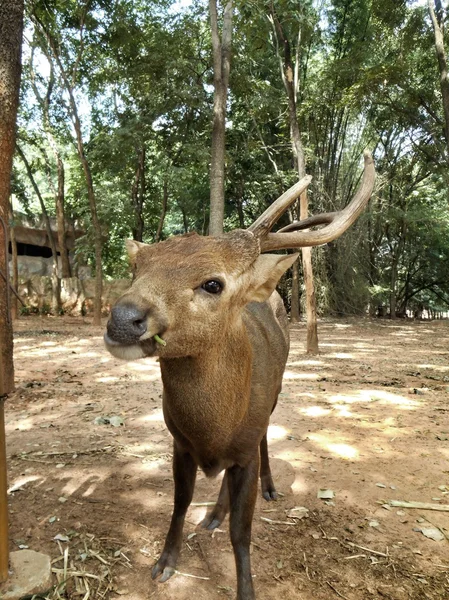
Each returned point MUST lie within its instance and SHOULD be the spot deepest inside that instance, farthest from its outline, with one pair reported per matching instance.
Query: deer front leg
(242, 484)
(184, 474)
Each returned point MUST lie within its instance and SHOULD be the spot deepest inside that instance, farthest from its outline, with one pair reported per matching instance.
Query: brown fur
(222, 370)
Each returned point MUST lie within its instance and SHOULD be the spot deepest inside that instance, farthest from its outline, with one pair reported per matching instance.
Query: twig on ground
(193, 576)
(336, 591)
(419, 505)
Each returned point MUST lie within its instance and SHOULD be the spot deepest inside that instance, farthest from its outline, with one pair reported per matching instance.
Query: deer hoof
(270, 495)
(167, 572)
(211, 523)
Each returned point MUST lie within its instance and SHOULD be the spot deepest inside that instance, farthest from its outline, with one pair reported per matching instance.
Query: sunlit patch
(314, 411)
(156, 416)
(308, 363)
(22, 424)
(308, 376)
(343, 411)
(276, 432)
(106, 379)
(79, 481)
(20, 482)
(434, 367)
(340, 449)
(343, 355)
(374, 396)
(344, 451)
(144, 365)
(299, 486)
(342, 326)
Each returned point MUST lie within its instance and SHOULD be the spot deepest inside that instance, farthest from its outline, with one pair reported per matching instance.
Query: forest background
(115, 131)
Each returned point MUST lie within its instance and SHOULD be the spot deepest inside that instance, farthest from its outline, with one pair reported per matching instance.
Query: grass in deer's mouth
(159, 340)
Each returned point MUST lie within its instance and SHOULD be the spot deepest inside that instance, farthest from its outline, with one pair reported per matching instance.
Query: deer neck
(209, 393)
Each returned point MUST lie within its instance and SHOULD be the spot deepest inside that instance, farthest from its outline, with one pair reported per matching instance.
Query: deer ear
(268, 269)
(133, 247)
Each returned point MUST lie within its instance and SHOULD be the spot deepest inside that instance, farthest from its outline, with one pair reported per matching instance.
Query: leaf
(433, 533)
(324, 494)
(62, 538)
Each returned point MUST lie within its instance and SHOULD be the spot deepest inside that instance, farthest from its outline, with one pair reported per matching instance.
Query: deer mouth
(134, 351)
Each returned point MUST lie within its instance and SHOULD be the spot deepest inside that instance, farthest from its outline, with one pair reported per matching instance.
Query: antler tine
(337, 222)
(323, 219)
(261, 227)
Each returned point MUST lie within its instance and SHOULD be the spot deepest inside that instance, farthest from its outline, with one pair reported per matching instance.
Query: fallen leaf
(324, 494)
(433, 533)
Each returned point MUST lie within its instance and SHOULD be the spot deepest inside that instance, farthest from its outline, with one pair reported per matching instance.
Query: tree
(222, 65)
(11, 26)
(70, 74)
(436, 14)
(290, 77)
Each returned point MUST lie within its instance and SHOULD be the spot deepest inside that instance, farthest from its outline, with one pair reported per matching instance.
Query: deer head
(188, 290)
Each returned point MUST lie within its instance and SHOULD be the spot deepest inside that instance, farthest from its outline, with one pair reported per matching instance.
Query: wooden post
(312, 331)
(6, 386)
(4, 553)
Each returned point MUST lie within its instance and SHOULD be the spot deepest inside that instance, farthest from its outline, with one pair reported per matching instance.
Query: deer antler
(336, 223)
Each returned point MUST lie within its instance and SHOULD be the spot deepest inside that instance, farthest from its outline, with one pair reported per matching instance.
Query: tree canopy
(124, 91)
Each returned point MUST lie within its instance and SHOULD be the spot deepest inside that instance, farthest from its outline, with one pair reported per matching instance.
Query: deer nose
(127, 323)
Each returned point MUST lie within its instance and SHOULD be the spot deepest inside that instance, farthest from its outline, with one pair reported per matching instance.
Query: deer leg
(221, 508)
(184, 474)
(242, 483)
(268, 489)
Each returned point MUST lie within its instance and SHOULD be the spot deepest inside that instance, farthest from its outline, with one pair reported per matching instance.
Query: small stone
(30, 574)
(381, 485)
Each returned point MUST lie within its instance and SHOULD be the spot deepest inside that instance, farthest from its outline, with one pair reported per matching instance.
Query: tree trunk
(295, 309)
(11, 26)
(312, 329)
(66, 270)
(55, 279)
(59, 193)
(393, 278)
(163, 212)
(138, 197)
(98, 242)
(15, 267)
(442, 65)
(287, 70)
(222, 64)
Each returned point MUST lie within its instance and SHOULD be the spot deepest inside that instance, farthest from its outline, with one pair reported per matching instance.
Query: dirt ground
(367, 418)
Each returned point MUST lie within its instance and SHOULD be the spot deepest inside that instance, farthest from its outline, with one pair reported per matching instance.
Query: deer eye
(212, 286)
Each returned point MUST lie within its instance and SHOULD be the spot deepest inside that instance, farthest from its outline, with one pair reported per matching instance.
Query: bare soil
(367, 418)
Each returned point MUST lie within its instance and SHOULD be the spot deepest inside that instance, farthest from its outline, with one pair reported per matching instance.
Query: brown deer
(207, 307)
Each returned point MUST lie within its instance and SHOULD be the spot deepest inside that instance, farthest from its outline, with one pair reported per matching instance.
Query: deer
(207, 307)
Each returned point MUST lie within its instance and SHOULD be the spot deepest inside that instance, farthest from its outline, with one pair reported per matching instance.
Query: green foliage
(142, 74)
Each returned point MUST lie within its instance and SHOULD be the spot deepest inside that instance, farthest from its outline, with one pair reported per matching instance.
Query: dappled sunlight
(374, 395)
(156, 416)
(441, 368)
(307, 363)
(21, 482)
(314, 411)
(343, 355)
(20, 424)
(276, 432)
(292, 375)
(299, 486)
(340, 449)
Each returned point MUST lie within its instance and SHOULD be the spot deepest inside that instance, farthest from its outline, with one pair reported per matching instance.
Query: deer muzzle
(127, 324)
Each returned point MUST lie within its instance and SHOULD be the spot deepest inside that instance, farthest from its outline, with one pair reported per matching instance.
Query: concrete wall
(76, 294)
(29, 266)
